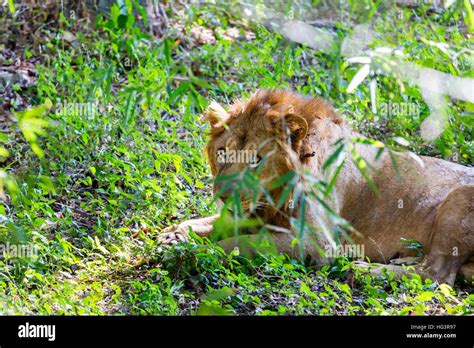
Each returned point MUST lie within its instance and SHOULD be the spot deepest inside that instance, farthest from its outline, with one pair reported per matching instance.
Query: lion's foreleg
(274, 242)
(202, 227)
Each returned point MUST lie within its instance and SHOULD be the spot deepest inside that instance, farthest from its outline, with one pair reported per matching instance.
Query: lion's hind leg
(466, 272)
(452, 241)
(252, 244)
(274, 243)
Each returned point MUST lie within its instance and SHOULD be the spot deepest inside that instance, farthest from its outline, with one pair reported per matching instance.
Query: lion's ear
(297, 126)
(215, 114)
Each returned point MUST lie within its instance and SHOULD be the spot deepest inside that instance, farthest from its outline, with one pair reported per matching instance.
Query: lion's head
(268, 131)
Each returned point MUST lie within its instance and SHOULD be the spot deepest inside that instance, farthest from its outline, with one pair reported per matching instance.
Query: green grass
(92, 190)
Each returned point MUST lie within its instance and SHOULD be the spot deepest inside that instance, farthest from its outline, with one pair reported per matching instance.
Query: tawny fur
(432, 201)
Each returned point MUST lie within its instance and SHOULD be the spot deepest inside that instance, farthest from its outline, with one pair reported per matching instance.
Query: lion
(420, 198)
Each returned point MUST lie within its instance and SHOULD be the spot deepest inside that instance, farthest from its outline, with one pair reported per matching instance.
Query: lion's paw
(174, 234)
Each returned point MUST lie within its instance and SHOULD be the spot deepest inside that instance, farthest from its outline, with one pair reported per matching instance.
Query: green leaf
(425, 296)
(446, 290)
(287, 191)
(219, 294)
(212, 309)
(333, 181)
(11, 6)
(361, 165)
(334, 157)
(282, 180)
(3, 152)
(31, 125)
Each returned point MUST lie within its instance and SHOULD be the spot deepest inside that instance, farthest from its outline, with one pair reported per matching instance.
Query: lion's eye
(255, 161)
